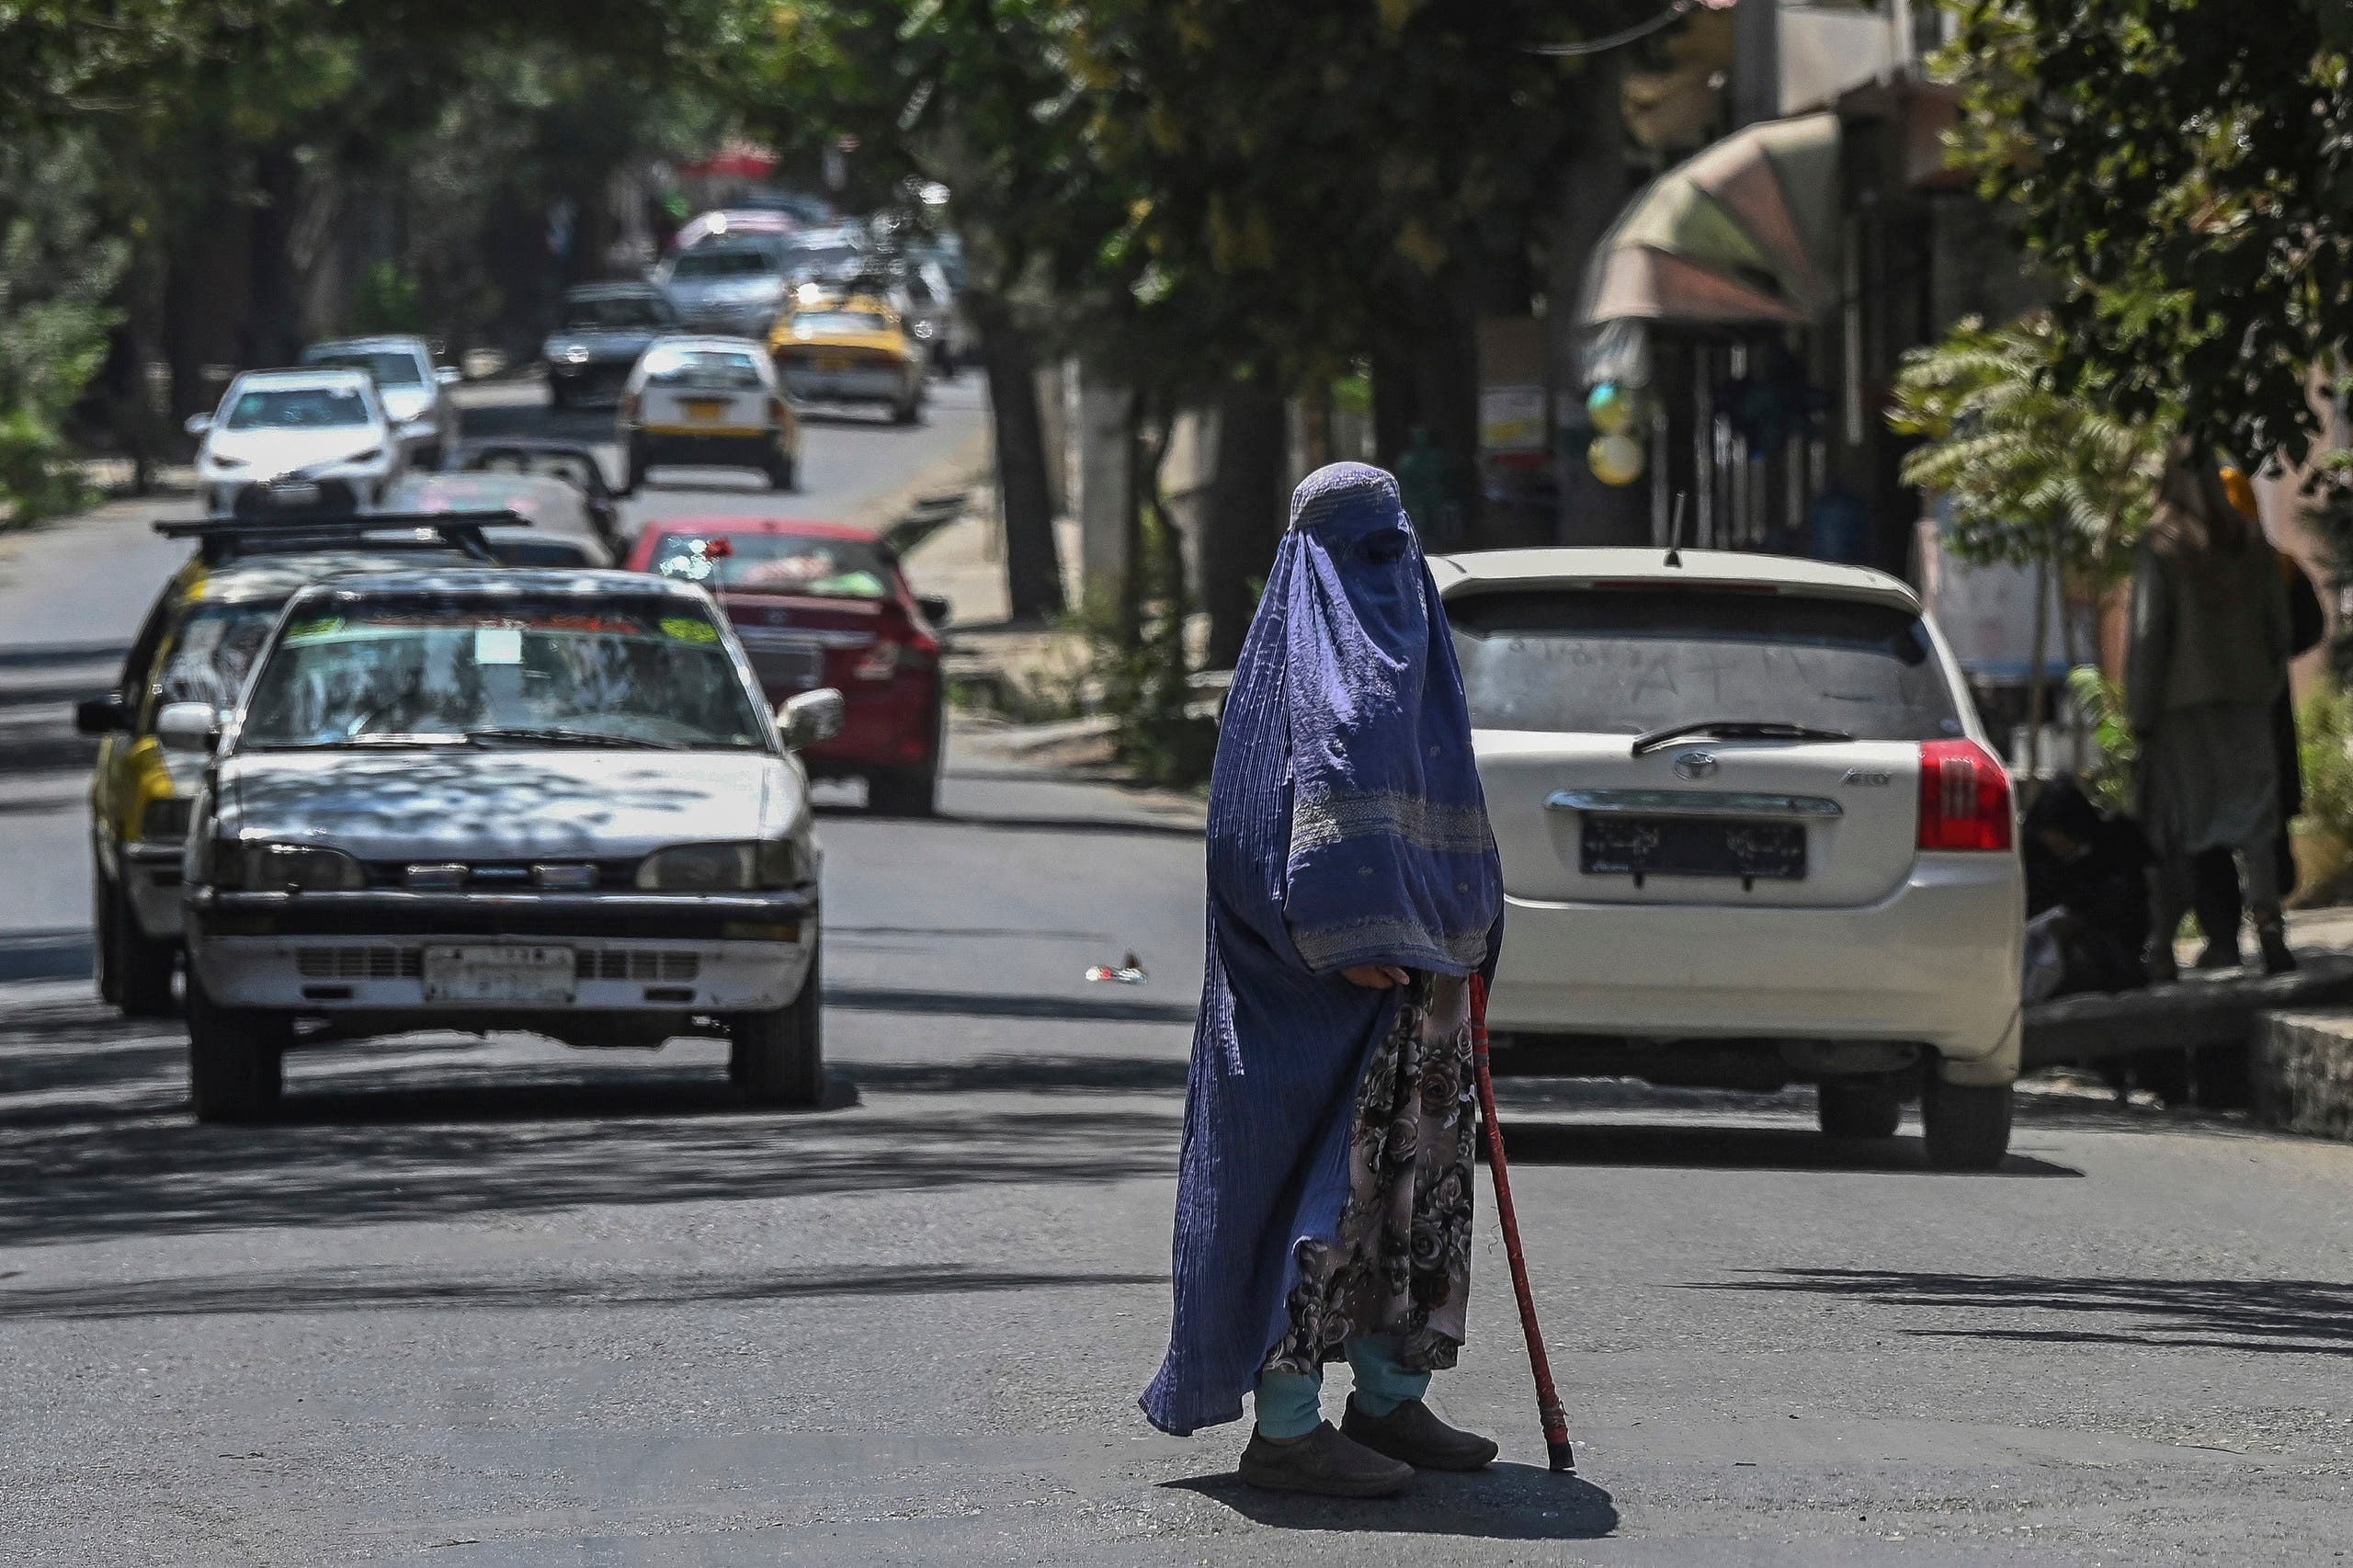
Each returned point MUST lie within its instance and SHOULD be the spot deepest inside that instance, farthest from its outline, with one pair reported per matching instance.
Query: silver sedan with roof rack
(542, 801)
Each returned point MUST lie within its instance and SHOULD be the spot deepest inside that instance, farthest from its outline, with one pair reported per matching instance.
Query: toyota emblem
(1695, 765)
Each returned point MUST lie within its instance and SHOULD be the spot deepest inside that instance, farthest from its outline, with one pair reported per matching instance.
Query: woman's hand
(1375, 976)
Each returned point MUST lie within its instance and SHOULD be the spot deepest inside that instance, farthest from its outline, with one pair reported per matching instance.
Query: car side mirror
(187, 727)
(197, 423)
(934, 607)
(811, 717)
(105, 715)
(449, 375)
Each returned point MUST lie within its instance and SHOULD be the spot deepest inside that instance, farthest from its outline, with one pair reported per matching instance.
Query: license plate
(515, 974)
(705, 408)
(833, 362)
(1615, 844)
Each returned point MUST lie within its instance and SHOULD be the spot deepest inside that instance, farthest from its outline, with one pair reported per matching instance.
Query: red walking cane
(1548, 1398)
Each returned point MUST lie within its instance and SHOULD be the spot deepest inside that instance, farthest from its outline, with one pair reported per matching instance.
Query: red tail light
(879, 662)
(1964, 797)
(629, 409)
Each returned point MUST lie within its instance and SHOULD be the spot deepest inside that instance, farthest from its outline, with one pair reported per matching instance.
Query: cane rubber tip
(1563, 1457)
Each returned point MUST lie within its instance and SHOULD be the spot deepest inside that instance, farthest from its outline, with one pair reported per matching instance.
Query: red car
(826, 604)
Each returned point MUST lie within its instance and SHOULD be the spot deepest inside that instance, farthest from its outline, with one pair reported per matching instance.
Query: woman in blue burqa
(1324, 1200)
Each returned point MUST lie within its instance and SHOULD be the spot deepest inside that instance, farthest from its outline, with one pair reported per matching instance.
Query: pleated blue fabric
(1346, 827)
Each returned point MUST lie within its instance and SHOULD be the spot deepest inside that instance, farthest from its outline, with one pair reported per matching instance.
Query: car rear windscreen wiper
(1734, 730)
(557, 735)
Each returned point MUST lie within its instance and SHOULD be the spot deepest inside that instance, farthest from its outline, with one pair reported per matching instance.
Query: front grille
(638, 965)
(358, 963)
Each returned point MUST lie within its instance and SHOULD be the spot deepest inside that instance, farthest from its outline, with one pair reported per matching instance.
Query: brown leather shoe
(1323, 1461)
(1413, 1433)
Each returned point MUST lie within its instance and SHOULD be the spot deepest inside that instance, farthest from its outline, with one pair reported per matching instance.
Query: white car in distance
(490, 798)
(413, 390)
(1752, 835)
(303, 439)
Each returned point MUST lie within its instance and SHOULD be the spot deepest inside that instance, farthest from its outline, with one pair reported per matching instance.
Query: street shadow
(982, 1004)
(1504, 1502)
(2310, 1317)
(42, 655)
(1030, 1075)
(1117, 828)
(96, 1142)
(56, 954)
(377, 1287)
(1715, 1147)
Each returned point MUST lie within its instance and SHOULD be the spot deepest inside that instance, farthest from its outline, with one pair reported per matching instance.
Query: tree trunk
(1033, 565)
(2038, 678)
(274, 327)
(1243, 523)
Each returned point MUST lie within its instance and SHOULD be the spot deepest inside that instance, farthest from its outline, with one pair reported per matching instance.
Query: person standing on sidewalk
(1323, 1199)
(2216, 873)
(2207, 660)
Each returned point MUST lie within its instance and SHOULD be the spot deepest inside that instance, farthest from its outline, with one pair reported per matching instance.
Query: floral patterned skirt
(1399, 1263)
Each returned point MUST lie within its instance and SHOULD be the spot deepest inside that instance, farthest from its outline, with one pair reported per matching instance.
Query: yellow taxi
(850, 348)
(196, 645)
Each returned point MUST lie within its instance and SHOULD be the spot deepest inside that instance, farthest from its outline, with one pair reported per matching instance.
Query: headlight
(576, 355)
(724, 867)
(163, 821)
(284, 868)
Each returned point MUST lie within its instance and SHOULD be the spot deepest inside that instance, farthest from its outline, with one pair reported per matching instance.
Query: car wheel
(636, 466)
(1967, 1125)
(904, 791)
(784, 473)
(134, 969)
(558, 396)
(1858, 1108)
(911, 411)
(778, 1058)
(236, 1058)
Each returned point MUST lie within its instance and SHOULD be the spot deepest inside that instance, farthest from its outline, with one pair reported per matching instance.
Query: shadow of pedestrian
(1504, 1502)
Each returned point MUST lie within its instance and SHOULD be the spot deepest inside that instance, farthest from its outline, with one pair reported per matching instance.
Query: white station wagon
(1751, 832)
(481, 799)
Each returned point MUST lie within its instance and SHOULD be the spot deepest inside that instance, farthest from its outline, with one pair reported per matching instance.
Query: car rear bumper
(594, 381)
(846, 386)
(894, 727)
(1936, 963)
(754, 448)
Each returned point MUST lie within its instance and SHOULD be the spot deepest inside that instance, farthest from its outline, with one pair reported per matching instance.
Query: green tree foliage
(2182, 170)
(56, 274)
(2034, 476)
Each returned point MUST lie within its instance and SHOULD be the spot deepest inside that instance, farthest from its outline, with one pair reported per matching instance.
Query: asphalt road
(502, 1303)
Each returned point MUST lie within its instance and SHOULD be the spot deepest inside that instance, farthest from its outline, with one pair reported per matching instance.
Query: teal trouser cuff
(1290, 1404)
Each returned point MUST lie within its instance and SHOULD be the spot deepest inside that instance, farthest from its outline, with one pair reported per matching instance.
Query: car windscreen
(703, 263)
(777, 563)
(827, 324)
(1628, 660)
(389, 367)
(457, 668)
(606, 312)
(213, 652)
(717, 367)
(298, 408)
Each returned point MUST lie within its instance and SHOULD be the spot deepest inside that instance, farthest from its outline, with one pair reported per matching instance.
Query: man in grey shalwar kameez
(2208, 659)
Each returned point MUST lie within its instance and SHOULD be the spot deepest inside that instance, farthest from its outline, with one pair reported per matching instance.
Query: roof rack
(223, 539)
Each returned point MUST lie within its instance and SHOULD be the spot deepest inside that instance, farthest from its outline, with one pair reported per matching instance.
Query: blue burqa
(1346, 827)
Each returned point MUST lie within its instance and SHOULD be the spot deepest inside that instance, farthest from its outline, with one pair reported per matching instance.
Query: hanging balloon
(1610, 407)
(1616, 460)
